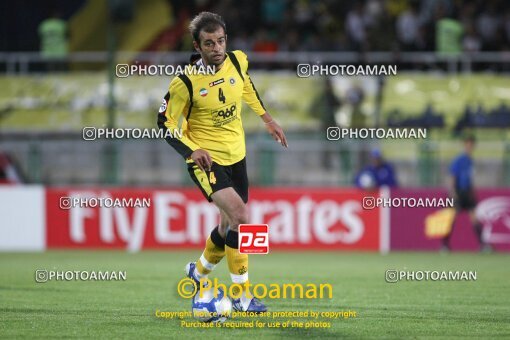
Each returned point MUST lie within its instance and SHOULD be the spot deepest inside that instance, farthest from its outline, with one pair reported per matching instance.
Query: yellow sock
(211, 256)
(237, 265)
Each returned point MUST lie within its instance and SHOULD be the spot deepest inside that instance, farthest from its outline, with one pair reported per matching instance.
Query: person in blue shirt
(462, 190)
(379, 173)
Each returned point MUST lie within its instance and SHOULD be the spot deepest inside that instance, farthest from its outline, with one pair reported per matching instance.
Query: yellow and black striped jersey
(211, 107)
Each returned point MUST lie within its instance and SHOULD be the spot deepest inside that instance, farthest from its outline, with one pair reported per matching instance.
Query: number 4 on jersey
(221, 97)
(212, 178)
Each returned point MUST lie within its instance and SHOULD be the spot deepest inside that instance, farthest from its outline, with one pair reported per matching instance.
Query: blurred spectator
(355, 96)
(379, 173)
(374, 11)
(446, 26)
(325, 107)
(355, 27)
(471, 41)
(488, 24)
(304, 16)
(448, 34)
(263, 42)
(273, 11)
(53, 34)
(408, 28)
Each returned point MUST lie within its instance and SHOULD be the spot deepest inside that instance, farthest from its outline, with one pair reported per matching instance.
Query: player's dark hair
(469, 137)
(207, 22)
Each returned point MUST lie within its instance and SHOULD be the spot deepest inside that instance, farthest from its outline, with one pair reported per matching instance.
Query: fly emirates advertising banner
(35, 218)
(300, 218)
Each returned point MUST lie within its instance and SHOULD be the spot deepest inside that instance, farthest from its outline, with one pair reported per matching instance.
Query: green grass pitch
(126, 309)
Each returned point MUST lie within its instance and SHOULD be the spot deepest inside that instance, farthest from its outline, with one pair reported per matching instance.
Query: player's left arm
(274, 129)
(252, 98)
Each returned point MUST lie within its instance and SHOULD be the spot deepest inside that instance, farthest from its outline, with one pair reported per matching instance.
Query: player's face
(469, 146)
(212, 46)
(376, 161)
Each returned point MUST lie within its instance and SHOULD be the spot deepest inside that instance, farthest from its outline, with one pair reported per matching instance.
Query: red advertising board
(493, 212)
(298, 218)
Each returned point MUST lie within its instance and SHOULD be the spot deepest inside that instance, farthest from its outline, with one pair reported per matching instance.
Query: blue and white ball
(366, 180)
(211, 309)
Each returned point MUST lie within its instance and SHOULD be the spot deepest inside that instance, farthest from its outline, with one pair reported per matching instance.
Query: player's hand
(277, 132)
(202, 159)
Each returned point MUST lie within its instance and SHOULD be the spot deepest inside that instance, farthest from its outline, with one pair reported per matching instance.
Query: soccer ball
(211, 309)
(366, 180)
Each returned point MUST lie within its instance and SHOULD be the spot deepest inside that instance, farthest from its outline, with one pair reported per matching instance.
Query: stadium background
(451, 90)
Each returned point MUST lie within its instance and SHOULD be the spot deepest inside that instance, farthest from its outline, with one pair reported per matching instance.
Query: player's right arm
(177, 103)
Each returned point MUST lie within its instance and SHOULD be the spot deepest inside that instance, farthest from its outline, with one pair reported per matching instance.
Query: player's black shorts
(465, 200)
(221, 177)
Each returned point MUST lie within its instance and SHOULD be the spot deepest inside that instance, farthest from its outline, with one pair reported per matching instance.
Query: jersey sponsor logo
(224, 115)
(203, 92)
(232, 81)
(217, 82)
(162, 108)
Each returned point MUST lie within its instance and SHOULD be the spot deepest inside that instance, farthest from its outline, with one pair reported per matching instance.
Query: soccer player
(213, 144)
(462, 190)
